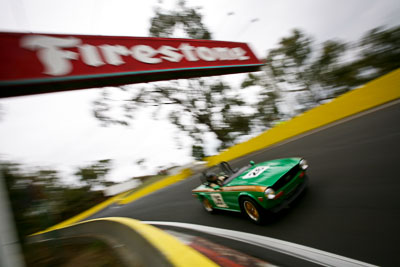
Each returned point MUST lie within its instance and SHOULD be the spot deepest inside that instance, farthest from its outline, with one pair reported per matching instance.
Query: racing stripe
(252, 188)
(248, 188)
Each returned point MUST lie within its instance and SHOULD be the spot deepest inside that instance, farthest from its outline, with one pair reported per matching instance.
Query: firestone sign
(36, 63)
(56, 60)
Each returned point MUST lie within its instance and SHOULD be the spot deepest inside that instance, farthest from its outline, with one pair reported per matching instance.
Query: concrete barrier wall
(373, 94)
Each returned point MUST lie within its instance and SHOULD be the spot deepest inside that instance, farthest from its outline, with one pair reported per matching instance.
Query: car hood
(265, 173)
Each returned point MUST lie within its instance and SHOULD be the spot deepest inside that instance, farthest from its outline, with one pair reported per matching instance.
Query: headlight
(303, 164)
(269, 193)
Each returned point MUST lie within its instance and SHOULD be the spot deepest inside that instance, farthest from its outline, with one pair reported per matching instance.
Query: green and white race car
(255, 188)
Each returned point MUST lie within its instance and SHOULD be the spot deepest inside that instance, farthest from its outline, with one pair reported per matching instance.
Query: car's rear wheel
(252, 210)
(207, 205)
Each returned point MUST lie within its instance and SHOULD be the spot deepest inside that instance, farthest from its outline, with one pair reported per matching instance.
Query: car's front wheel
(207, 205)
(252, 210)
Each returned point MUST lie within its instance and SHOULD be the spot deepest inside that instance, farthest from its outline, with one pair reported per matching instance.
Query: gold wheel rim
(251, 210)
(207, 204)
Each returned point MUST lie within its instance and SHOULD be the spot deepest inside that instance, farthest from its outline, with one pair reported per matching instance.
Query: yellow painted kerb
(122, 198)
(176, 252)
(155, 186)
(84, 214)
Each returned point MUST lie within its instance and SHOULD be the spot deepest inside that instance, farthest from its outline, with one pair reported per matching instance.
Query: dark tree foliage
(198, 152)
(267, 111)
(198, 106)
(292, 68)
(28, 192)
(286, 71)
(380, 53)
(94, 174)
(165, 22)
(39, 199)
(195, 106)
(314, 74)
(376, 54)
(298, 75)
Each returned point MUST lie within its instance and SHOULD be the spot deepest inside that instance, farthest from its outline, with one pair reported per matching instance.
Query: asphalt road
(351, 208)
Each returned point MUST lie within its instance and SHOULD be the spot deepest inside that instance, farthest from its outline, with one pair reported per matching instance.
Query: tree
(95, 174)
(198, 152)
(314, 73)
(327, 75)
(379, 54)
(195, 106)
(39, 199)
(295, 67)
(189, 19)
(268, 100)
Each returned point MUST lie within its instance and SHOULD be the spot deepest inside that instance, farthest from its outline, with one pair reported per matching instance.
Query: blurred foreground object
(134, 243)
(10, 250)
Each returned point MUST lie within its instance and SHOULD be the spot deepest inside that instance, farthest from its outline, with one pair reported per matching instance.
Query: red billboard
(37, 63)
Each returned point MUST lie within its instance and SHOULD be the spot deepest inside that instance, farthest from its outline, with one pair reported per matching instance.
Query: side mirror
(252, 163)
(217, 187)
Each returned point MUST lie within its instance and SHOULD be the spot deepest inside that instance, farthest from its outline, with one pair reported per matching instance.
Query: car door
(231, 198)
(224, 198)
(218, 198)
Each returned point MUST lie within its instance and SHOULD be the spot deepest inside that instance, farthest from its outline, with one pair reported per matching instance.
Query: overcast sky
(58, 130)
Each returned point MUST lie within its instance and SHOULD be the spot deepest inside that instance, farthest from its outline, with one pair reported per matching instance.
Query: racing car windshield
(236, 174)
